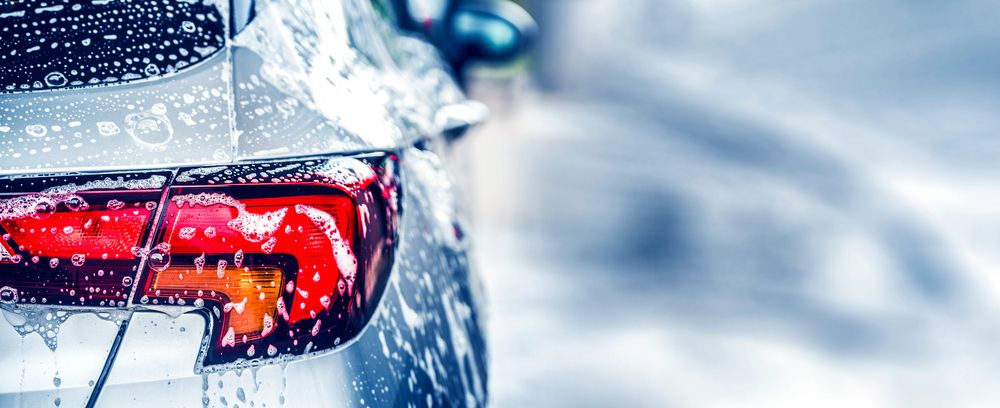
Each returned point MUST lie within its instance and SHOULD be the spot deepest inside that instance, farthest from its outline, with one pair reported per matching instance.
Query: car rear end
(191, 219)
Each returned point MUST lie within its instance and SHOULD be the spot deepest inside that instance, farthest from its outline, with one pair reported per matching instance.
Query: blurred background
(735, 203)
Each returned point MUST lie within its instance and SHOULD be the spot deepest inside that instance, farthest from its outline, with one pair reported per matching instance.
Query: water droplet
(159, 257)
(108, 128)
(78, 259)
(152, 70)
(149, 128)
(220, 270)
(268, 246)
(55, 79)
(53, 263)
(115, 205)
(186, 232)
(127, 281)
(229, 339)
(158, 108)
(186, 118)
(36, 130)
(199, 263)
(44, 209)
(8, 295)
(268, 325)
(238, 307)
(76, 203)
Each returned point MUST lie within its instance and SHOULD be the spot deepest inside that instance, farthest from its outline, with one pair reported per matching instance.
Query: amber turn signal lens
(248, 294)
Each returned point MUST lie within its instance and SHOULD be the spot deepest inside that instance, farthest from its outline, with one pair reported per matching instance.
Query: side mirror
(494, 31)
(467, 31)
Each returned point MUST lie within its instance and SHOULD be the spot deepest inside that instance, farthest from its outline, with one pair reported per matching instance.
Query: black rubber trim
(106, 371)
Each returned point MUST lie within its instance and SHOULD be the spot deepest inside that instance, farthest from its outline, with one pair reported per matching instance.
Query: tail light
(283, 259)
(69, 240)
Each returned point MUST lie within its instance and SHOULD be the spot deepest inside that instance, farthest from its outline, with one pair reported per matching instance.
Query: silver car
(238, 203)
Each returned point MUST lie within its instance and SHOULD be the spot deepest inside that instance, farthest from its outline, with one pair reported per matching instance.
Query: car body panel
(35, 375)
(181, 119)
(305, 78)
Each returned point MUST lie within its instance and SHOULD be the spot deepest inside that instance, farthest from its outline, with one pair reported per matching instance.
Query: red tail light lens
(277, 261)
(72, 241)
(104, 230)
(260, 258)
(283, 259)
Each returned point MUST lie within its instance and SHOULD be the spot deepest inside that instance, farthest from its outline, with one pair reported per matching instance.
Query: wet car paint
(423, 347)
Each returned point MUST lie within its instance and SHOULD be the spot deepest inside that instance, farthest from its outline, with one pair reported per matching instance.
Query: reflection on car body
(230, 204)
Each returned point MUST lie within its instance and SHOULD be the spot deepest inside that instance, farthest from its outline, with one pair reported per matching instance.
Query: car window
(75, 43)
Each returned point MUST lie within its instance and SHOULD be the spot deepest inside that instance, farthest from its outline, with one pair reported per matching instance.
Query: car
(239, 203)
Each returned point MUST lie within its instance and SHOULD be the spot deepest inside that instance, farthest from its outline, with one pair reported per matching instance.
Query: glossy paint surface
(304, 79)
